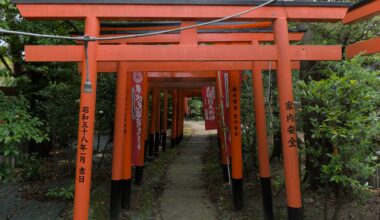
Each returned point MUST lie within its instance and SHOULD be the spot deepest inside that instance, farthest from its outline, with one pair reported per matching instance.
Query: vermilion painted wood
(366, 11)
(236, 151)
(184, 79)
(179, 113)
(220, 129)
(263, 24)
(181, 74)
(87, 100)
(189, 36)
(181, 85)
(165, 112)
(109, 67)
(158, 109)
(204, 38)
(127, 152)
(174, 114)
(74, 53)
(178, 12)
(366, 47)
(285, 91)
(260, 119)
(144, 135)
(118, 139)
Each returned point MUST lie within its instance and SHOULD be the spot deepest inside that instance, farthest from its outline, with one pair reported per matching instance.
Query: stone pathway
(184, 196)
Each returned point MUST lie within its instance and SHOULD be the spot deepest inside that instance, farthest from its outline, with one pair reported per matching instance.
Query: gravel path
(184, 196)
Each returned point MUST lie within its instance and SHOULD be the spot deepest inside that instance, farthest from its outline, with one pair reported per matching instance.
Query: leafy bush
(344, 114)
(61, 193)
(32, 168)
(196, 108)
(16, 126)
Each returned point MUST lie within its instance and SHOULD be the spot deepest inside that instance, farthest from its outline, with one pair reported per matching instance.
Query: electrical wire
(90, 38)
(187, 27)
(86, 39)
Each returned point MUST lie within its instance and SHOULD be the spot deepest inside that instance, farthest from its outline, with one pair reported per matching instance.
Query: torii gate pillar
(287, 115)
(262, 142)
(174, 118)
(157, 117)
(235, 132)
(118, 140)
(139, 167)
(86, 126)
(164, 120)
(127, 152)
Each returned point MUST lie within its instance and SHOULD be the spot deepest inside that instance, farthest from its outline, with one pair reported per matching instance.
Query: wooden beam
(204, 38)
(178, 12)
(111, 67)
(179, 53)
(204, 74)
(362, 12)
(180, 85)
(265, 24)
(366, 47)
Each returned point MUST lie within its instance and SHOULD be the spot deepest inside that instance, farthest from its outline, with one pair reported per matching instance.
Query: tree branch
(6, 64)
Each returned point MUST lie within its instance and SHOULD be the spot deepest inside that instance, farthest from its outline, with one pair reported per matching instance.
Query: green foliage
(278, 184)
(248, 128)
(105, 105)
(61, 192)
(16, 124)
(5, 173)
(58, 104)
(196, 108)
(337, 33)
(344, 112)
(32, 168)
(16, 127)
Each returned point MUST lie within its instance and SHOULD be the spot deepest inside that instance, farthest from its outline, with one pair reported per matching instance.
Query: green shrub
(61, 193)
(344, 113)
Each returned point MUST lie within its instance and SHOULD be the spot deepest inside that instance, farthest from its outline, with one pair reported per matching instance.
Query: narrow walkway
(184, 197)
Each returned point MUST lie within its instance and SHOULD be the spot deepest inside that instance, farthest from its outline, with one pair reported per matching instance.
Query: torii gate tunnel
(181, 63)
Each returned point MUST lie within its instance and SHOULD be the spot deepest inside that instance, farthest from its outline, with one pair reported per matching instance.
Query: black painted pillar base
(156, 143)
(266, 193)
(126, 193)
(237, 193)
(163, 138)
(151, 146)
(139, 173)
(181, 136)
(295, 213)
(225, 173)
(172, 142)
(115, 199)
(177, 140)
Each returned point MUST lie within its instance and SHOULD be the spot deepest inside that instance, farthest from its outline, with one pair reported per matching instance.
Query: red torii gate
(282, 52)
(259, 35)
